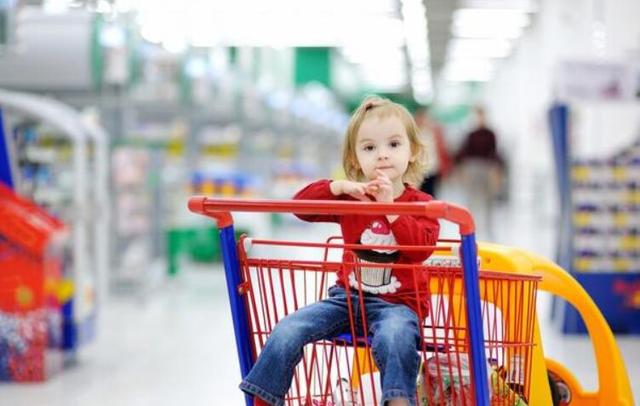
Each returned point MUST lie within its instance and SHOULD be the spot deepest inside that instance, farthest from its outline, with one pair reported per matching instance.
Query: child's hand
(357, 190)
(381, 188)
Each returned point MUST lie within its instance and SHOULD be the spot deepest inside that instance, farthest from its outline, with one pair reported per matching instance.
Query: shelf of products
(58, 161)
(606, 219)
(599, 230)
(132, 199)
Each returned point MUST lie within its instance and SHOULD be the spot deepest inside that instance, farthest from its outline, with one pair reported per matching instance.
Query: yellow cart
(551, 382)
(613, 382)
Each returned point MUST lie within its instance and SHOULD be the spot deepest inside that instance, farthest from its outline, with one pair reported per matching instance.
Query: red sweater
(393, 285)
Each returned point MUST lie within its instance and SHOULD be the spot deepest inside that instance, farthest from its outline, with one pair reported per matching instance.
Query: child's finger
(384, 183)
(378, 182)
(386, 189)
(361, 196)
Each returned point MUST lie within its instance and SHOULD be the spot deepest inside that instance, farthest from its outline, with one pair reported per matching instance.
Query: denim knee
(271, 376)
(287, 337)
(399, 331)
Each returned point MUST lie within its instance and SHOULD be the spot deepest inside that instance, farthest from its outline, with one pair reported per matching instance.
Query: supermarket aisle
(174, 348)
(177, 347)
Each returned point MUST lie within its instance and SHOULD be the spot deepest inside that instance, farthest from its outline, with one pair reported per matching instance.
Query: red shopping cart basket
(473, 351)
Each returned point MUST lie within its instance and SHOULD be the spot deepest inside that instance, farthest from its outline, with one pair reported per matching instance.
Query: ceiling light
(361, 27)
(463, 76)
(417, 43)
(489, 17)
(530, 6)
(486, 63)
(112, 36)
(55, 6)
(468, 72)
(485, 48)
(485, 31)
(254, 23)
(489, 23)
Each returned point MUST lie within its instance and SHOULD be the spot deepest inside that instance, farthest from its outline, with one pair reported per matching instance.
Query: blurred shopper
(438, 160)
(482, 170)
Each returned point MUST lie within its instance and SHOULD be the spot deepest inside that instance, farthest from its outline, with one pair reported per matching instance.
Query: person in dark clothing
(482, 170)
(480, 143)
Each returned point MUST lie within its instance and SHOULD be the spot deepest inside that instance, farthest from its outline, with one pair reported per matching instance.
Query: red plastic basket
(276, 283)
(31, 266)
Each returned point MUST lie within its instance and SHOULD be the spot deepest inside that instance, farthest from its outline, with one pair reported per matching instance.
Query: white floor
(174, 345)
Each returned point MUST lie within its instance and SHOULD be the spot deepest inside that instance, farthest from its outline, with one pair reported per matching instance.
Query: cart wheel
(560, 391)
(555, 391)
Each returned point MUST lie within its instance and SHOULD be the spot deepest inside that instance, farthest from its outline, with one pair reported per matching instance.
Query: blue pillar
(239, 311)
(6, 175)
(559, 124)
(474, 320)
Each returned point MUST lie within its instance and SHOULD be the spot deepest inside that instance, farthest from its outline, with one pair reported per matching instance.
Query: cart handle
(220, 209)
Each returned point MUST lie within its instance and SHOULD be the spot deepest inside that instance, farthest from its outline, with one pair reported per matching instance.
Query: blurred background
(114, 112)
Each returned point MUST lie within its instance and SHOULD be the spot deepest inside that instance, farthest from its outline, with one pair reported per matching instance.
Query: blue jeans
(394, 329)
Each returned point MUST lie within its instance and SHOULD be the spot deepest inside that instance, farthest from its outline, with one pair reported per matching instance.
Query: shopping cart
(480, 343)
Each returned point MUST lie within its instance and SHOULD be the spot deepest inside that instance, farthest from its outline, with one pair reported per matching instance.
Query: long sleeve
(416, 230)
(410, 230)
(319, 190)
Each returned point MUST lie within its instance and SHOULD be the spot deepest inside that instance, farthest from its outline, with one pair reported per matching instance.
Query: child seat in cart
(479, 342)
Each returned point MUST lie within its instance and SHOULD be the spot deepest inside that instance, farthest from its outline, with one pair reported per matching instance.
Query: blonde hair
(375, 106)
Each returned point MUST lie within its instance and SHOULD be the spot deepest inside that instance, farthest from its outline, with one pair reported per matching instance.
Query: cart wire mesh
(280, 277)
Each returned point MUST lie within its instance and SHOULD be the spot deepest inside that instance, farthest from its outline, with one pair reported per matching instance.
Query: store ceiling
(385, 40)
(469, 39)
(466, 39)
(439, 13)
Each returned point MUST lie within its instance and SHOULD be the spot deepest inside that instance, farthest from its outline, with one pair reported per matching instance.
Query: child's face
(383, 144)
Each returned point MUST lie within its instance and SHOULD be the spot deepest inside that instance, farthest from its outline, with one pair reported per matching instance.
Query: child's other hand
(381, 188)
